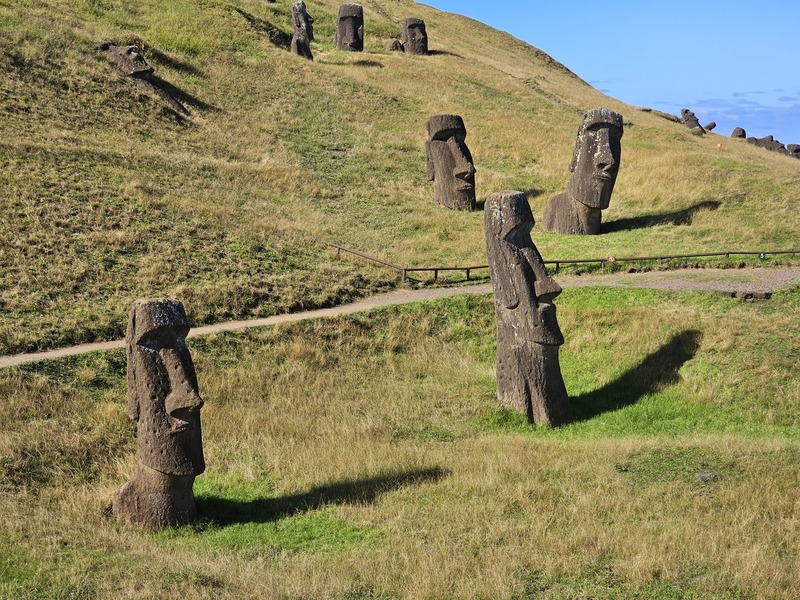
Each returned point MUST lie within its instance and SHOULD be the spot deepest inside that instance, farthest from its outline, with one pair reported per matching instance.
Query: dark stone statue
(793, 150)
(128, 58)
(449, 163)
(528, 373)
(711, 126)
(350, 28)
(739, 133)
(415, 38)
(689, 119)
(594, 168)
(164, 401)
(303, 31)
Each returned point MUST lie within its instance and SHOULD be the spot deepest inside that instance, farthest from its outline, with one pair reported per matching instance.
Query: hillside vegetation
(109, 195)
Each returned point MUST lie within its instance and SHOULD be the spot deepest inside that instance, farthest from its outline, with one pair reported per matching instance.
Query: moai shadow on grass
(164, 401)
(594, 168)
(528, 373)
(350, 28)
(449, 163)
(130, 61)
(415, 38)
(303, 31)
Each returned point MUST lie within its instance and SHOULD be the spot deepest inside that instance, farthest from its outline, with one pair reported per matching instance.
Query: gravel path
(734, 281)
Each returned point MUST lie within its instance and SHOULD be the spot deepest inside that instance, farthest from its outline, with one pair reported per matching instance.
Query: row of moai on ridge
(350, 32)
(593, 171)
(164, 399)
(689, 119)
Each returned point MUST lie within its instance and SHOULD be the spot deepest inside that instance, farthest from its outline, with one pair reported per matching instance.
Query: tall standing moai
(593, 173)
(415, 38)
(164, 401)
(350, 28)
(449, 163)
(303, 31)
(528, 336)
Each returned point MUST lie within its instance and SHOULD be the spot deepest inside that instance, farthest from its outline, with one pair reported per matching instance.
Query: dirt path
(740, 281)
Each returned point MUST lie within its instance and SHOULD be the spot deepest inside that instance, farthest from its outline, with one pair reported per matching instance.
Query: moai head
(595, 161)
(162, 389)
(689, 119)
(449, 163)
(303, 31)
(415, 38)
(739, 133)
(350, 28)
(519, 277)
(128, 58)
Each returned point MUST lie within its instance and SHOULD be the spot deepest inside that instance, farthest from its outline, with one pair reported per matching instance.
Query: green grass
(365, 456)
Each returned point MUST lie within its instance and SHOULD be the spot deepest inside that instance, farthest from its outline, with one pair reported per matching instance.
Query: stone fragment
(303, 31)
(528, 336)
(739, 133)
(164, 401)
(393, 45)
(449, 163)
(415, 38)
(350, 28)
(711, 126)
(128, 58)
(594, 168)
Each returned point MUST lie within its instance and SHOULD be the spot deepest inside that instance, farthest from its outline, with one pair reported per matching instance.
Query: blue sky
(735, 62)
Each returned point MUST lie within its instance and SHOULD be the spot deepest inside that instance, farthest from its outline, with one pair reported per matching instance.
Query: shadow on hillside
(680, 217)
(172, 62)
(368, 63)
(216, 511)
(275, 35)
(656, 372)
(179, 95)
(443, 53)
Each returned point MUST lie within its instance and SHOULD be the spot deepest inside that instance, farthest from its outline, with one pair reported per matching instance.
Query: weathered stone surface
(528, 336)
(594, 168)
(449, 163)
(711, 126)
(128, 58)
(689, 119)
(303, 31)
(793, 150)
(739, 133)
(350, 28)
(393, 45)
(415, 38)
(164, 401)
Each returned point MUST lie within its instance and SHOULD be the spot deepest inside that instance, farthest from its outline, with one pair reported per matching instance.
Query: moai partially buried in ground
(350, 28)
(593, 173)
(689, 119)
(415, 38)
(449, 163)
(303, 31)
(528, 372)
(164, 401)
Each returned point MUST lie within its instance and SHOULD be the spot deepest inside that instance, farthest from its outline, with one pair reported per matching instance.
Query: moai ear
(130, 351)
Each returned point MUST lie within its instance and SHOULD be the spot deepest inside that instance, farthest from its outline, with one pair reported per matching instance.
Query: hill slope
(108, 195)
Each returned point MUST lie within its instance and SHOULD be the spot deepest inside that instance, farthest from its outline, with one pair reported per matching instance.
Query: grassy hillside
(365, 457)
(108, 195)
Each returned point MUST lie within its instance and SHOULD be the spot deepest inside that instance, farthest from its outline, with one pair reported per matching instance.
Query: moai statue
(164, 401)
(415, 38)
(303, 31)
(594, 167)
(449, 163)
(689, 119)
(350, 28)
(793, 150)
(128, 58)
(528, 374)
(711, 126)
(739, 133)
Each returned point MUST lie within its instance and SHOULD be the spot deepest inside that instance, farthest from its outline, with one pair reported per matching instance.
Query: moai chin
(415, 38)
(303, 31)
(594, 168)
(449, 163)
(164, 401)
(528, 373)
(350, 28)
